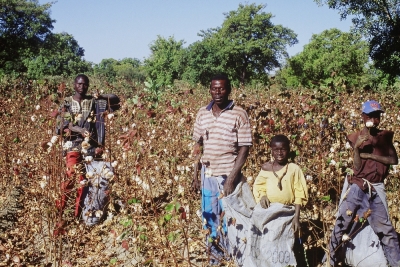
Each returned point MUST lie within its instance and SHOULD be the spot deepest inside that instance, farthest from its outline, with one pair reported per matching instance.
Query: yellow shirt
(294, 187)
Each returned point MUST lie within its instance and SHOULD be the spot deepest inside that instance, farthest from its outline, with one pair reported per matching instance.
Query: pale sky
(125, 28)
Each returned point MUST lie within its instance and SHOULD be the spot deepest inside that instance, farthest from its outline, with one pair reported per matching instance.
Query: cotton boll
(43, 184)
(105, 171)
(85, 145)
(145, 186)
(345, 237)
(181, 189)
(54, 139)
(98, 213)
(347, 146)
(67, 145)
(109, 175)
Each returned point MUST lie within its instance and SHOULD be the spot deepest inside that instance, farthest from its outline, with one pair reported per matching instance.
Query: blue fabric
(212, 215)
(359, 202)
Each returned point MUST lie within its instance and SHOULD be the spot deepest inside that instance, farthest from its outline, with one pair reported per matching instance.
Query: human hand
(196, 150)
(195, 181)
(97, 95)
(360, 140)
(296, 224)
(195, 185)
(264, 202)
(229, 187)
(98, 151)
(365, 155)
(85, 133)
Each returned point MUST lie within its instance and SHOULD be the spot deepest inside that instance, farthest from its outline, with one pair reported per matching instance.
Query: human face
(219, 92)
(280, 152)
(374, 117)
(81, 86)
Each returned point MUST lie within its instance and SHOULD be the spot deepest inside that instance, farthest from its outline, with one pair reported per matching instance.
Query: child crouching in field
(280, 189)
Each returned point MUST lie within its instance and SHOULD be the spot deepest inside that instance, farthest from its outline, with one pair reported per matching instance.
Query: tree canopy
(332, 56)
(127, 68)
(165, 63)
(379, 21)
(246, 47)
(24, 26)
(60, 54)
(249, 44)
(202, 61)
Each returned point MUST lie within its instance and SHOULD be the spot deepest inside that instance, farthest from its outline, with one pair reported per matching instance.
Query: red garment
(371, 170)
(73, 159)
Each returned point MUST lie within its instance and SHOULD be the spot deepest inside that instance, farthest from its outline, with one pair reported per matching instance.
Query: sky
(125, 28)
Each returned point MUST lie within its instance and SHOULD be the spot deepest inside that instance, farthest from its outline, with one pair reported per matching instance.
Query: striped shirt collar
(229, 106)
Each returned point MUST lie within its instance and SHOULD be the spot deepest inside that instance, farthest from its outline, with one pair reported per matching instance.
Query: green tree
(249, 43)
(59, 55)
(105, 69)
(379, 21)
(166, 62)
(203, 61)
(24, 26)
(130, 69)
(127, 68)
(332, 57)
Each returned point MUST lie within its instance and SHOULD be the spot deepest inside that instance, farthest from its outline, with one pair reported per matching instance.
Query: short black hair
(222, 77)
(83, 76)
(280, 138)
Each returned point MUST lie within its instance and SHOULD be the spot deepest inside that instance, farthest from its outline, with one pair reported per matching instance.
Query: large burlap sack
(96, 193)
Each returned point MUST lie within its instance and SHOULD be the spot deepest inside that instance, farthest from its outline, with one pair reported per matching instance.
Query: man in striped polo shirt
(223, 132)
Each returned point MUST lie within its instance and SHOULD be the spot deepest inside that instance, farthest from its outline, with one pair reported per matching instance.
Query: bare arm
(392, 159)
(357, 158)
(197, 165)
(233, 178)
(296, 218)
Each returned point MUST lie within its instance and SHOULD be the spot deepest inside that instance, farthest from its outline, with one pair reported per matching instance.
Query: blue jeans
(213, 217)
(360, 202)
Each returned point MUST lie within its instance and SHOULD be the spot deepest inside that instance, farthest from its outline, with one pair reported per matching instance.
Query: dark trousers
(359, 202)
